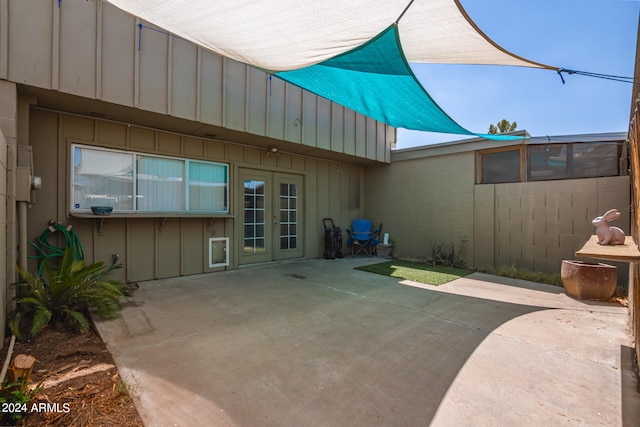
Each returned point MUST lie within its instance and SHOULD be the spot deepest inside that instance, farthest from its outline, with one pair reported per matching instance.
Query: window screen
(569, 161)
(500, 166)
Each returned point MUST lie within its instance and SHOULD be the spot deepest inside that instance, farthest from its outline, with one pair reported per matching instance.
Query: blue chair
(362, 237)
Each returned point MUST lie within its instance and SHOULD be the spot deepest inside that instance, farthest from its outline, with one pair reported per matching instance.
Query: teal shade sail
(376, 80)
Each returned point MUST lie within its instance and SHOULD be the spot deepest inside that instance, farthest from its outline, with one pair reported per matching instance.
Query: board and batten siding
(152, 248)
(92, 49)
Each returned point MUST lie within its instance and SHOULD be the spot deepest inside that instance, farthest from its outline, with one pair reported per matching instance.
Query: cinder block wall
(430, 200)
(3, 230)
(8, 141)
(538, 224)
(423, 202)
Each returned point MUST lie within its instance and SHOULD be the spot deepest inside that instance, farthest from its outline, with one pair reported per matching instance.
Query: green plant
(443, 254)
(64, 295)
(522, 273)
(120, 387)
(15, 398)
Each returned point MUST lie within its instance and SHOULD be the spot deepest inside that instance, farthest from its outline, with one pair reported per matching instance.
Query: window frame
(572, 156)
(74, 206)
(482, 153)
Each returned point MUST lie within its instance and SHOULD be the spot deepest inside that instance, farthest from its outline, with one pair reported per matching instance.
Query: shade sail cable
(404, 11)
(621, 79)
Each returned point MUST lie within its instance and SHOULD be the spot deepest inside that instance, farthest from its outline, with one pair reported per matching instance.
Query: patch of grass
(417, 272)
(522, 273)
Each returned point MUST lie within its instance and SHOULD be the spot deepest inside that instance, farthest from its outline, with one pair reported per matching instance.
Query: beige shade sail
(280, 35)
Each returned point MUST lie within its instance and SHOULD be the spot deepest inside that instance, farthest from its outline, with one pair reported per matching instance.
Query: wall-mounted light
(271, 150)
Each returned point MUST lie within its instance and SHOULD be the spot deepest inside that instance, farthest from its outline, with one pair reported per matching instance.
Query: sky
(596, 36)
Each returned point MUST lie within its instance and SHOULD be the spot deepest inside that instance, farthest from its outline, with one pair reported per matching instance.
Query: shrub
(443, 254)
(522, 273)
(65, 294)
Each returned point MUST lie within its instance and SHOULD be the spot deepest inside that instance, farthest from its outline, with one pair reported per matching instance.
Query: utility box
(23, 184)
(25, 181)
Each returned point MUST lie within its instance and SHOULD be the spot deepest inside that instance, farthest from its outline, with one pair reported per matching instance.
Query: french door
(271, 216)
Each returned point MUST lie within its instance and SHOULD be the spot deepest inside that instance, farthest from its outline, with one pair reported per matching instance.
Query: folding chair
(362, 237)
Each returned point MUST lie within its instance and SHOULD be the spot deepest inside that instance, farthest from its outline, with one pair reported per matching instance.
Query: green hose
(47, 251)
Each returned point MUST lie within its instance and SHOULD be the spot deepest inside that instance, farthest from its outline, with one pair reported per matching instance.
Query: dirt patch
(78, 380)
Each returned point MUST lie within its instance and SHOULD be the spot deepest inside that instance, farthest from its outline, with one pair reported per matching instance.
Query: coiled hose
(47, 251)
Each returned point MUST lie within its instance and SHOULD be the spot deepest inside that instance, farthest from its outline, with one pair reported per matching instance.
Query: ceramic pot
(589, 280)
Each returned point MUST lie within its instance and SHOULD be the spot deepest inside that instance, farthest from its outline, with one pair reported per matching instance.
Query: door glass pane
(254, 225)
(288, 203)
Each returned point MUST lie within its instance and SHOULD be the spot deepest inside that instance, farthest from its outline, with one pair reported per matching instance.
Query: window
(500, 166)
(133, 182)
(569, 161)
(550, 161)
(160, 184)
(102, 178)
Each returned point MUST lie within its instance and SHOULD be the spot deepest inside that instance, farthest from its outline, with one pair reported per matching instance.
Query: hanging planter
(589, 280)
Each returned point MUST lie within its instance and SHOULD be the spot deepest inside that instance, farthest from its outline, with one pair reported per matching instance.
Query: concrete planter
(383, 250)
(589, 280)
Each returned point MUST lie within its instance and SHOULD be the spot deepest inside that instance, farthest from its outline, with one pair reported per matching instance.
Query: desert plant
(443, 254)
(64, 294)
(438, 253)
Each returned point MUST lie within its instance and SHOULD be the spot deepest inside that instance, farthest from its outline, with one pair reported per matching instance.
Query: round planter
(589, 280)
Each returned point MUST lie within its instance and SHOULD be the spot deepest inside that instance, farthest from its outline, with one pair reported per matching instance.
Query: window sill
(150, 215)
(624, 253)
(162, 215)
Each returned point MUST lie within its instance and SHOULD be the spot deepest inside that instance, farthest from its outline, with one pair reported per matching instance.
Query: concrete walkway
(317, 343)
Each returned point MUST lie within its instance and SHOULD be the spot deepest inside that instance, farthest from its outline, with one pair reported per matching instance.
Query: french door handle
(275, 220)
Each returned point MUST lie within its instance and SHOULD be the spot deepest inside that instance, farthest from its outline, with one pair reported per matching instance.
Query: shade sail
(289, 34)
(376, 72)
(376, 80)
(347, 51)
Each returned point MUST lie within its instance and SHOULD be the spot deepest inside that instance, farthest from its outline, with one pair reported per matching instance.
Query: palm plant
(63, 295)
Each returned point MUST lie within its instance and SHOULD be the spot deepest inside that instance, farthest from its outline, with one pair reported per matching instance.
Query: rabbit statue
(608, 235)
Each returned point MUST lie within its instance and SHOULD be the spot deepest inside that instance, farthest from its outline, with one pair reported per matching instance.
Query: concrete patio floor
(317, 343)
